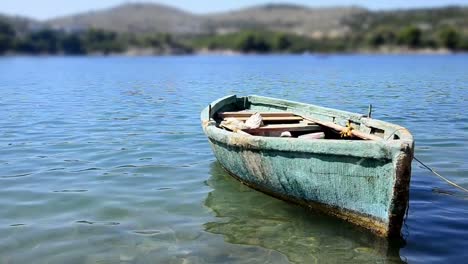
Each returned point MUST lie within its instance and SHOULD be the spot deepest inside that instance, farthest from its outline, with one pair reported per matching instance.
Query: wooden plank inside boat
(339, 128)
(275, 130)
(285, 119)
(248, 114)
(287, 127)
(274, 118)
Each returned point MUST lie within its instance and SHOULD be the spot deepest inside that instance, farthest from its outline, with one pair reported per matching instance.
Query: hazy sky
(43, 9)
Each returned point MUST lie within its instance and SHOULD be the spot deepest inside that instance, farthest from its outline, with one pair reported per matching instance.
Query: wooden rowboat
(363, 179)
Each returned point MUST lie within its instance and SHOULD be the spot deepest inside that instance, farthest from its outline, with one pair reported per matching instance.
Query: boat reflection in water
(249, 217)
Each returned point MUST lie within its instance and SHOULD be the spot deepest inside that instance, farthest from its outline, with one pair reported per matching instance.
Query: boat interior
(282, 118)
(286, 124)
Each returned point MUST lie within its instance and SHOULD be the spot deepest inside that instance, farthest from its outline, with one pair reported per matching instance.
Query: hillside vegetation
(158, 29)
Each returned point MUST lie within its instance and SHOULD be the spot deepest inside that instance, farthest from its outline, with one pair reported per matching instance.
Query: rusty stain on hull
(400, 190)
(367, 222)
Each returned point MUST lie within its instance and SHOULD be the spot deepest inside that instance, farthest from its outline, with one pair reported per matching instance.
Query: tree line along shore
(48, 41)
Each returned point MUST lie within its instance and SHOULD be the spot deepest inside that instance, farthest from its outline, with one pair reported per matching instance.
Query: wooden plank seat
(276, 130)
(274, 118)
(286, 127)
(248, 114)
(275, 123)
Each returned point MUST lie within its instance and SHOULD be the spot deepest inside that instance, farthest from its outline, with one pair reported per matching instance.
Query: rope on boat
(440, 176)
(348, 131)
(431, 169)
(393, 133)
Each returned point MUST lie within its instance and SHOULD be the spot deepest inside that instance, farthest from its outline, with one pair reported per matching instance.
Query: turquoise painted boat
(362, 177)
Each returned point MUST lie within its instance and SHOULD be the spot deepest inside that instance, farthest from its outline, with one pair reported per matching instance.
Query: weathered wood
(248, 114)
(341, 128)
(287, 127)
(306, 122)
(276, 130)
(274, 118)
(242, 133)
(235, 129)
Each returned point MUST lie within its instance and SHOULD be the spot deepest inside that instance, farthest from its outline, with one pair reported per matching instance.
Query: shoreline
(229, 53)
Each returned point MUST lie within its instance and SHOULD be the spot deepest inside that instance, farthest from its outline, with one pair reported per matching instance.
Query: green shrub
(449, 38)
(7, 36)
(410, 36)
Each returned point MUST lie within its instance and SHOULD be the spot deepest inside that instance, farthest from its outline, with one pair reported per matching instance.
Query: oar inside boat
(275, 124)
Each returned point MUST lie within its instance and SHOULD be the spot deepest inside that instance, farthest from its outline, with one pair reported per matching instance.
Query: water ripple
(102, 167)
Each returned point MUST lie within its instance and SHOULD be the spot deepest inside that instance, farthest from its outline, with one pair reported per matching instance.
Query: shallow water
(103, 160)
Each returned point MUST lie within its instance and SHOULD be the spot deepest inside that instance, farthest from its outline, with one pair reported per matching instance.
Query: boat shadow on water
(249, 217)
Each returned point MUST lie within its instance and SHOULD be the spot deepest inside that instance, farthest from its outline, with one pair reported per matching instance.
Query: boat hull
(363, 182)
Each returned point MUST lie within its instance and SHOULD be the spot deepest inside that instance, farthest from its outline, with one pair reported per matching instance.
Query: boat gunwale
(355, 148)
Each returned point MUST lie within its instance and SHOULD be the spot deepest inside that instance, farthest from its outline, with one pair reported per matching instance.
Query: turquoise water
(102, 160)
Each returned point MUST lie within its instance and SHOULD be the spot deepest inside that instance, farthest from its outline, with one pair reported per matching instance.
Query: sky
(45, 9)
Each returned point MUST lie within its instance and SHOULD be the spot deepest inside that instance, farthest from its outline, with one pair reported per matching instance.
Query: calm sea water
(102, 160)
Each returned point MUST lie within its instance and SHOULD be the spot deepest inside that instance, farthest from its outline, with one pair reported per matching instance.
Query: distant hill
(22, 25)
(428, 19)
(151, 18)
(301, 20)
(296, 19)
(137, 18)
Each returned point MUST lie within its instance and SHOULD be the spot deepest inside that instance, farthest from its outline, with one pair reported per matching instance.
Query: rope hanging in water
(440, 176)
(432, 170)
